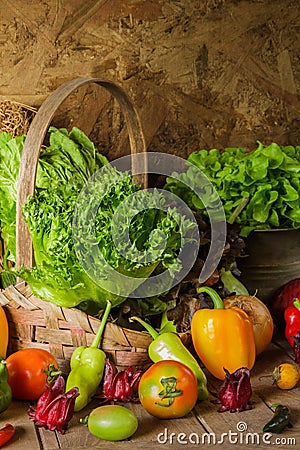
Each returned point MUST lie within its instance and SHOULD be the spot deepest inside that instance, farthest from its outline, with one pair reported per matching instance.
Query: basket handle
(35, 138)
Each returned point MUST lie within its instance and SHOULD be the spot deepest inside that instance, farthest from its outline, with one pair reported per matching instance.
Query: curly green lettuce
(58, 276)
(259, 189)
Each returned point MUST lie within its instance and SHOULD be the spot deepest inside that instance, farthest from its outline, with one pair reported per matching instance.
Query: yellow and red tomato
(168, 389)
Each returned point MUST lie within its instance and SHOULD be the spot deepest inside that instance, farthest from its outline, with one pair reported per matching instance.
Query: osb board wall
(202, 73)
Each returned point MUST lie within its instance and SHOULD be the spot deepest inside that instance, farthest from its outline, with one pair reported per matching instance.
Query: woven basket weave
(37, 323)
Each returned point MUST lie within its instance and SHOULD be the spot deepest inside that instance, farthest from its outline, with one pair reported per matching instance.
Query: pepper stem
(148, 327)
(84, 420)
(164, 319)
(217, 301)
(52, 373)
(99, 333)
(296, 303)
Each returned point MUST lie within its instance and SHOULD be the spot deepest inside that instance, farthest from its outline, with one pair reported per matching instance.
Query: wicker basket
(37, 323)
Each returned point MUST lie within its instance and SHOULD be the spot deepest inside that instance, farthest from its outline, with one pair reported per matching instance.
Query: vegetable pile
(64, 168)
(259, 189)
(173, 384)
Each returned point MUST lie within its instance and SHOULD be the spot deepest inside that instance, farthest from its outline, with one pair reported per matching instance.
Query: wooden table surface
(204, 426)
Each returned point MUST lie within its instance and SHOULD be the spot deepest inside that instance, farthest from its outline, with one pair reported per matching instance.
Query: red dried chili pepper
(235, 392)
(55, 407)
(40, 413)
(120, 386)
(110, 371)
(296, 347)
(61, 411)
(6, 433)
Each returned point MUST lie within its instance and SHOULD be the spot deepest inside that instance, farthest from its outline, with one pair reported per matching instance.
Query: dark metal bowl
(273, 260)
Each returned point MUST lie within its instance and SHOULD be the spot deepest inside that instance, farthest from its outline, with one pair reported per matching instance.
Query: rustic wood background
(202, 73)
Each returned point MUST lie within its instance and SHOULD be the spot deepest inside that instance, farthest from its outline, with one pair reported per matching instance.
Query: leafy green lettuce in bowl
(259, 189)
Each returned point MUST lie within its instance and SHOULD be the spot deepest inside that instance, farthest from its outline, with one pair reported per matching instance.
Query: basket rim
(34, 140)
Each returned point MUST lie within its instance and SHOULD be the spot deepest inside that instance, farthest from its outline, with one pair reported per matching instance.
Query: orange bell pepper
(3, 334)
(223, 338)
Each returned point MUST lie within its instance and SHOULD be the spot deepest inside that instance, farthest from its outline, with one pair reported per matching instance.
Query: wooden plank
(25, 433)
(265, 394)
(48, 439)
(149, 430)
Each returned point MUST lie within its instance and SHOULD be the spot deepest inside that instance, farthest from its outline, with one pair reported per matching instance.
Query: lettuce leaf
(58, 275)
(265, 181)
(10, 153)
(70, 159)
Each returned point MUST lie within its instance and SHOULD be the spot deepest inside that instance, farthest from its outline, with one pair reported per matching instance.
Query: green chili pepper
(279, 421)
(5, 389)
(168, 345)
(87, 366)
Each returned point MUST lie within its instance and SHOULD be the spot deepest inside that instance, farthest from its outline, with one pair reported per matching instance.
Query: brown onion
(259, 315)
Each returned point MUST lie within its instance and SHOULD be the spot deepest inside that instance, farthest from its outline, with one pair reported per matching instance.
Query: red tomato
(26, 372)
(168, 389)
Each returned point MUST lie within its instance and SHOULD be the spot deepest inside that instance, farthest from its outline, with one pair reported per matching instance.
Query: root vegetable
(259, 315)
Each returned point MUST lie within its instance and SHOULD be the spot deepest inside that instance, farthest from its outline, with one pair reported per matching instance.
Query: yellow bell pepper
(3, 334)
(223, 338)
